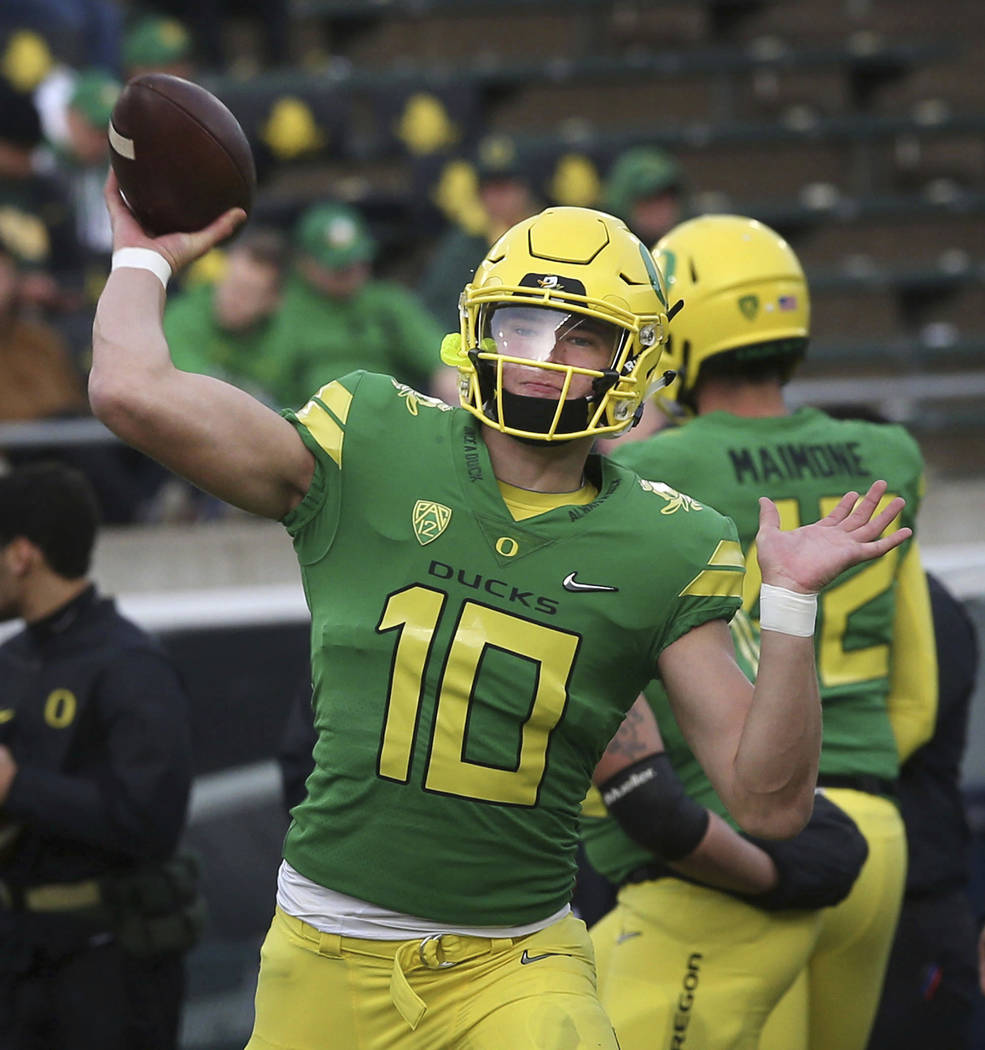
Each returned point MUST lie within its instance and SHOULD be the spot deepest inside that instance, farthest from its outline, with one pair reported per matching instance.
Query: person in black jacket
(96, 909)
(931, 982)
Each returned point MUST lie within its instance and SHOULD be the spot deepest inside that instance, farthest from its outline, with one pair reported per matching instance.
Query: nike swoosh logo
(528, 958)
(628, 935)
(569, 583)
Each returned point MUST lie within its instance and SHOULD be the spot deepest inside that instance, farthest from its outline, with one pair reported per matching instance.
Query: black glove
(817, 867)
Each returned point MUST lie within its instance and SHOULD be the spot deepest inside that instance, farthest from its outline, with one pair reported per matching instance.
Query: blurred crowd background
(425, 127)
(394, 141)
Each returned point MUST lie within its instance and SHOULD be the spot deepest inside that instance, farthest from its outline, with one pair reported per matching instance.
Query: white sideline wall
(243, 572)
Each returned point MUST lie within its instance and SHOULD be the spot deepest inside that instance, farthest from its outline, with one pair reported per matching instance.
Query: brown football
(179, 154)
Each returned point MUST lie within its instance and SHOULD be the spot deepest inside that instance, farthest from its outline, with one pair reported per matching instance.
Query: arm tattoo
(632, 739)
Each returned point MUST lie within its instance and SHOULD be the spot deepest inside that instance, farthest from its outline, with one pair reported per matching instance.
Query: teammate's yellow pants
(682, 967)
(319, 991)
(833, 1003)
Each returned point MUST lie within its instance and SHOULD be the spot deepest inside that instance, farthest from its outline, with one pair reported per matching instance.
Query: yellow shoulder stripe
(325, 416)
(728, 553)
(723, 577)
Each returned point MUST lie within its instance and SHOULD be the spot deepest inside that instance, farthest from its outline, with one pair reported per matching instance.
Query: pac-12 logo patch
(430, 520)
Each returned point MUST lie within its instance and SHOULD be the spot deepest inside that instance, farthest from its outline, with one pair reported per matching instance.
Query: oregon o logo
(59, 708)
(507, 546)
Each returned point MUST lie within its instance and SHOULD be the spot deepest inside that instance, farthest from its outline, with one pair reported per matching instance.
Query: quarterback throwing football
(488, 598)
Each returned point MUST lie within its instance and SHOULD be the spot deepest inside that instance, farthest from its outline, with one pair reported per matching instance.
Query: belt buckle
(441, 964)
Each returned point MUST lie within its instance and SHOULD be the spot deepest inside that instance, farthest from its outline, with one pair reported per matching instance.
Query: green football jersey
(469, 669)
(805, 462)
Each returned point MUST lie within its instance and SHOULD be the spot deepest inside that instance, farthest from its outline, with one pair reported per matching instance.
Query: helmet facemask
(551, 373)
(545, 371)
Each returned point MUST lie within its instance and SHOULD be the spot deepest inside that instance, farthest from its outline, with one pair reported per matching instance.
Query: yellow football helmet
(572, 274)
(744, 294)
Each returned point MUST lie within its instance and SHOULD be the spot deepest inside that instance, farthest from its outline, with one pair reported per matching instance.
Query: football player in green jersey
(742, 332)
(693, 895)
(487, 600)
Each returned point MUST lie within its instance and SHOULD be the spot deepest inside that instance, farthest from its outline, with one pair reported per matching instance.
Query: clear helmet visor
(560, 337)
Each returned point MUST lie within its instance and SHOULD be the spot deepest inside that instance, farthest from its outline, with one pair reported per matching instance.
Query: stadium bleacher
(853, 128)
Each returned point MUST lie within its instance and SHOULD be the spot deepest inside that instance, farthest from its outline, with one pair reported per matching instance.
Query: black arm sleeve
(650, 804)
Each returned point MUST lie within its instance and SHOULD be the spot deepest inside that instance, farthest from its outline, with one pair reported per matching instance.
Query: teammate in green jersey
(741, 334)
(487, 601)
(689, 907)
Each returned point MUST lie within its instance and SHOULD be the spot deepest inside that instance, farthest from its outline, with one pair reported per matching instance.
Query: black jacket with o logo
(96, 717)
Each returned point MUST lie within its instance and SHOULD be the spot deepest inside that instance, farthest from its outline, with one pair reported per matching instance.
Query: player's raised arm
(208, 431)
(760, 747)
(648, 801)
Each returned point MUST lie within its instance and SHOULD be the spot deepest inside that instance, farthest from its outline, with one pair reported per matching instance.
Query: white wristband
(788, 612)
(143, 259)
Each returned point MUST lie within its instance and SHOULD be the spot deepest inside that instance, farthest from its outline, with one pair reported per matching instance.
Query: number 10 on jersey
(414, 614)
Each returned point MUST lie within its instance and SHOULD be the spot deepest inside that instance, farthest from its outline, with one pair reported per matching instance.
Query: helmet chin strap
(658, 384)
(665, 380)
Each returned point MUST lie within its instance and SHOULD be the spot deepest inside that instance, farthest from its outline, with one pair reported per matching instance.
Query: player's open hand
(178, 248)
(808, 558)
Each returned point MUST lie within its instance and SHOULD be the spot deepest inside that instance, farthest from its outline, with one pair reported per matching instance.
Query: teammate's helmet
(744, 295)
(574, 266)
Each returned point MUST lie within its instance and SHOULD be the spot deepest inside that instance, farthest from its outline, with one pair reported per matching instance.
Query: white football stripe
(121, 144)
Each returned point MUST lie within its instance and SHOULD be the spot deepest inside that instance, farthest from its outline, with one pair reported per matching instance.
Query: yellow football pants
(319, 991)
(833, 1003)
(682, 967)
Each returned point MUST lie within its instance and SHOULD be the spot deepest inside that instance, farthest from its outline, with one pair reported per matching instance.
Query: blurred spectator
(222, 328)
(158, 44)
(209, 21)
(336, 317)
(645, 188)
(36, 216)
(25, 58)
(37, 377)
(506, 196)
(80, 162)
(84, 32)
(40, 382)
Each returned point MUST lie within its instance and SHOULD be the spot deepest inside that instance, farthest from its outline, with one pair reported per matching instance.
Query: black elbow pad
(651, 806)
(817, 867)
